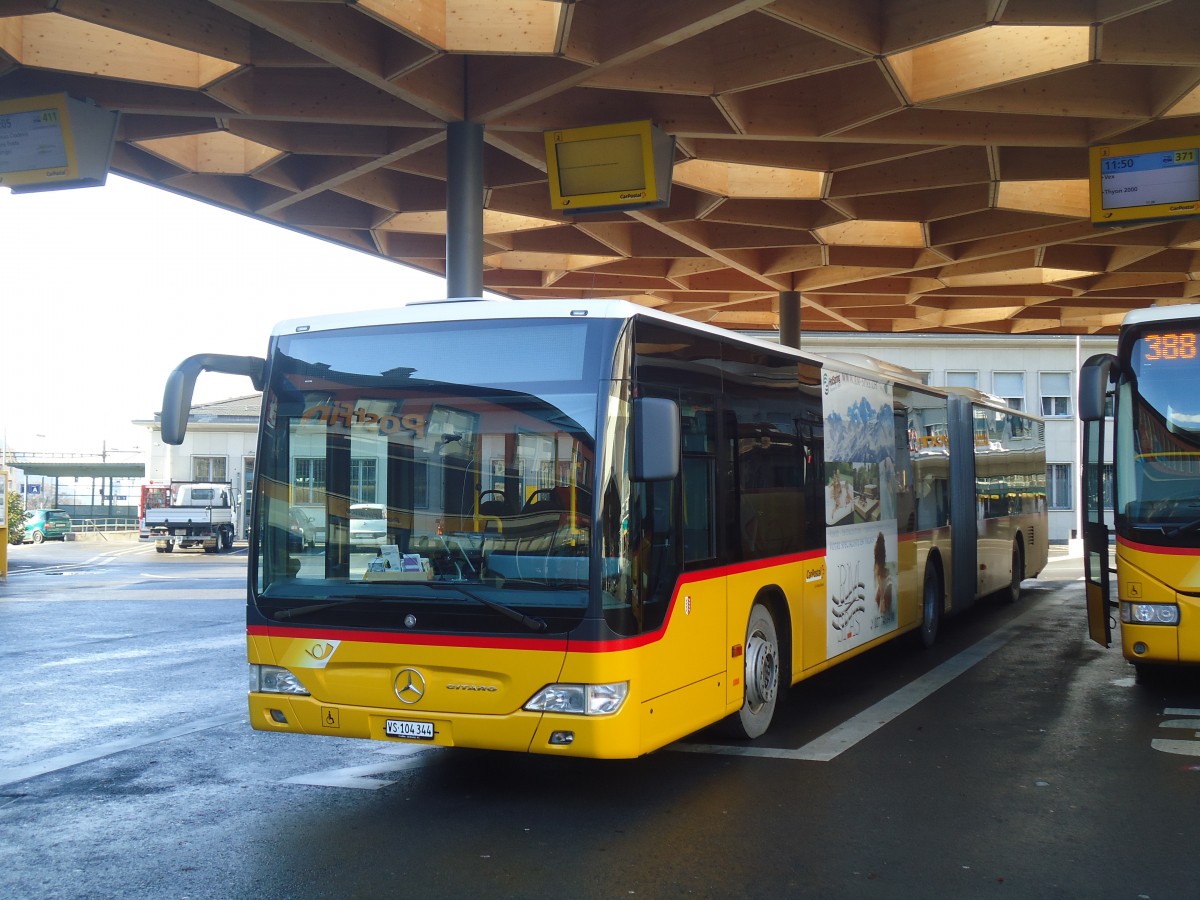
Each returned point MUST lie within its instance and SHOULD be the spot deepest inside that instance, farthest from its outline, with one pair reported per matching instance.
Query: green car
(46, 525)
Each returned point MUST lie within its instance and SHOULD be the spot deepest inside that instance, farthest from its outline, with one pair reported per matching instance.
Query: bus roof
(475, 309)
(991, 401)
(1162, 314)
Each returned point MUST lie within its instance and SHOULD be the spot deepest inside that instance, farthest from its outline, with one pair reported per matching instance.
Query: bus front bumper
(607, 737)
(1167, 633)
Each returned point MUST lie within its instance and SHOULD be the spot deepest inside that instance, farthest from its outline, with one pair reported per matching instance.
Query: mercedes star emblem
(410, 686)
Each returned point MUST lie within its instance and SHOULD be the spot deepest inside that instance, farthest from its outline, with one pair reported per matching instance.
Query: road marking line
(50, 568)
(359, 777)
(145, 594)
(165, 651)
(67, 760)
(1179, 748)
(840, 739)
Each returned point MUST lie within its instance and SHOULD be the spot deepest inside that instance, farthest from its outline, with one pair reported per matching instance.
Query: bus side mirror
(1094, 377)
(655, 439)
(177, 396)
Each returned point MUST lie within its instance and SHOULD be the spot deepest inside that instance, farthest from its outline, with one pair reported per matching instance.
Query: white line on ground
(125, 594)
(66, 760)
(840, 739)
(359, 777)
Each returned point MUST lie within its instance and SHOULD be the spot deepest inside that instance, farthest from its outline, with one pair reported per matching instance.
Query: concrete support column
(789, 318)
(464, 209)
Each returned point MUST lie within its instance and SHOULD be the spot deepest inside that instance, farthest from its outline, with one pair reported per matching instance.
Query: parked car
(368, 524)
(303, 533)
(46, 525)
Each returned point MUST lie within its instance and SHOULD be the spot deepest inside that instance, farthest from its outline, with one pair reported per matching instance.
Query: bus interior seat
(496, 506)
(544, 500)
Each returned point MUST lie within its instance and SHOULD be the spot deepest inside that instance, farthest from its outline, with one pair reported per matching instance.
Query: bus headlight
(580, 699)
(275, 680)
(1149, 613)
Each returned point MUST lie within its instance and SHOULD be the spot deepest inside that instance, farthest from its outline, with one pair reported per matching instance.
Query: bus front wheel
(761, 676)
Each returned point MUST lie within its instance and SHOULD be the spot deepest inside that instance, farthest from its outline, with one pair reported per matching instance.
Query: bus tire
(931, 604)
(1149, 675)
(762, 674)
(1018, 573)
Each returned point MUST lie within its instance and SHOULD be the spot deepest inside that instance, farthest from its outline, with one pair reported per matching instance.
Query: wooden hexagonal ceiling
(906, 165)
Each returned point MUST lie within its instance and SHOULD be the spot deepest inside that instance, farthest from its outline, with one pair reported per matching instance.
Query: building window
(308, 480)
(963, 379)
(1108, 485)
(421, 481)
(209, 468)
(362, 480)
(1010, 387)
(1058, 485)
(1056, 394)
(923, 377)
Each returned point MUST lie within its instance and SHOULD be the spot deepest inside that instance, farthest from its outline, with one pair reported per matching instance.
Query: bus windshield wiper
(533, 623)
(1176, 530)
(298, 611)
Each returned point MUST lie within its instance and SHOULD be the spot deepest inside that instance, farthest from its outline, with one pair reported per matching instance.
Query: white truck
(201, 514)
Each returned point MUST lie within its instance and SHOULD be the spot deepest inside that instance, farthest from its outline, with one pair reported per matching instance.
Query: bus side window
(699, 473)
(654, 553)
(698, 516)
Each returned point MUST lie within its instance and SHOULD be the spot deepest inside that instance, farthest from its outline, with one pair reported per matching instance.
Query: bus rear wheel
(1018, 573)
(762, 674)
(931, 605)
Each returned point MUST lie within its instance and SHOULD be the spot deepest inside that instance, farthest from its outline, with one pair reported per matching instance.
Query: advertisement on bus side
(860, 510)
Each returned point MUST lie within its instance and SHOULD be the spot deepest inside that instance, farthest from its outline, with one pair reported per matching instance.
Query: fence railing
(80, 511)
(115, 523)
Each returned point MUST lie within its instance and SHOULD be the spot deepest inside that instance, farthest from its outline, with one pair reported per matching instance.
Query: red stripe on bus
(1151, 548)
(388, 637)
(513, 643)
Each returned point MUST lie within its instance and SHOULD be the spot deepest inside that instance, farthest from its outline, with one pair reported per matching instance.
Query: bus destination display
(1168, 346)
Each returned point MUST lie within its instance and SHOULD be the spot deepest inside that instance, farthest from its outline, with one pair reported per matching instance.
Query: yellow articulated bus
(1153, 440)
(587, 528)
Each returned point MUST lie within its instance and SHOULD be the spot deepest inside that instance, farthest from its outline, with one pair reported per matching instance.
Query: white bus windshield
(446, 462)
(1159, 439)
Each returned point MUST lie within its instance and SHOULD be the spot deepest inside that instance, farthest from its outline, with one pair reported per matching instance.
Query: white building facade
(220, 446)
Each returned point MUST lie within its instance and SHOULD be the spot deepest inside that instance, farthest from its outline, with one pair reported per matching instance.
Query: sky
(105, 290)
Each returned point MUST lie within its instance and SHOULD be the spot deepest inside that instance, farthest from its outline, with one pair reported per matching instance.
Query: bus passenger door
(1095, 534)
(1093, 386)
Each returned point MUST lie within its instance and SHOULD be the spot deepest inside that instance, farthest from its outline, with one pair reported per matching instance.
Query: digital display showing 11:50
(1113, 164)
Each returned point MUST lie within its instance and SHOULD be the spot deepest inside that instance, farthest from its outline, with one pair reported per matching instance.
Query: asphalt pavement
(1014, 759)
